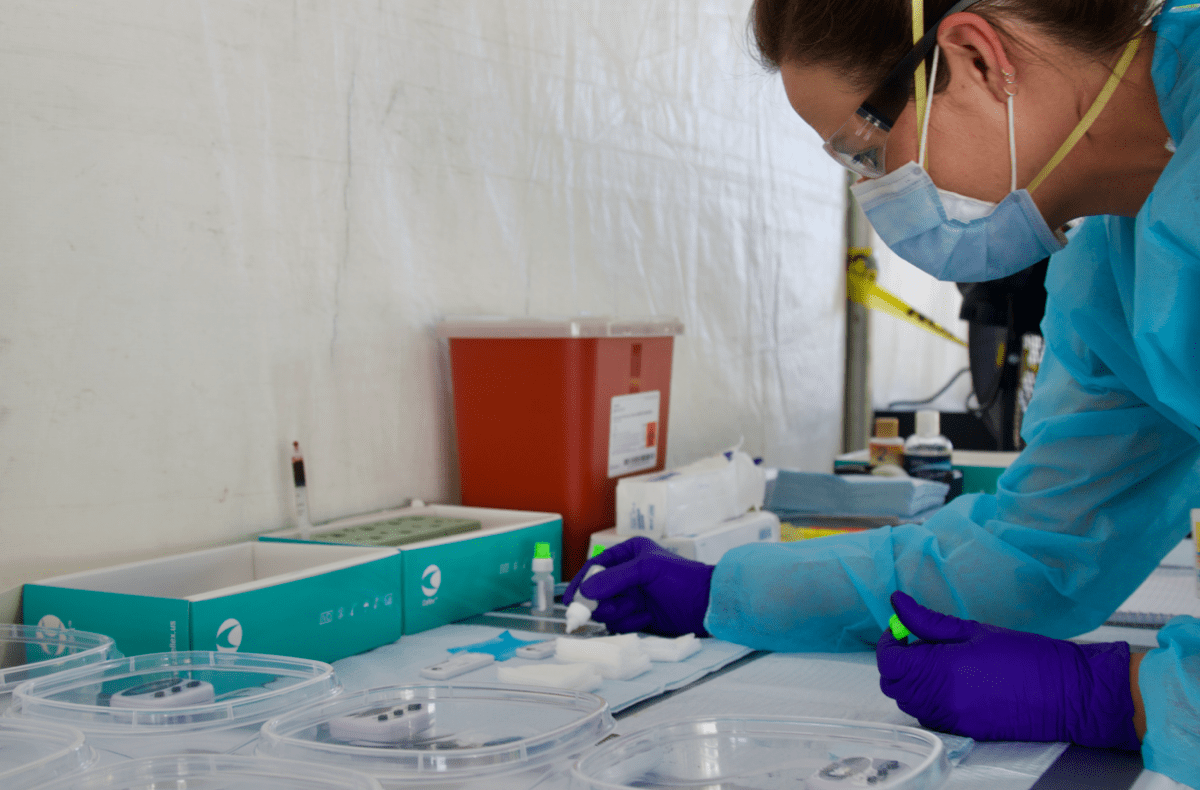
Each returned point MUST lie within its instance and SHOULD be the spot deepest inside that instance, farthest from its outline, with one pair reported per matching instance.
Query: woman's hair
(863, 39)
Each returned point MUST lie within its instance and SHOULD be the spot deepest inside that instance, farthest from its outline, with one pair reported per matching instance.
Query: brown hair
(864, 39)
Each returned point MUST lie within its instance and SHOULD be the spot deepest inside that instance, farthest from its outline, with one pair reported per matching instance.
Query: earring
(1010, 82)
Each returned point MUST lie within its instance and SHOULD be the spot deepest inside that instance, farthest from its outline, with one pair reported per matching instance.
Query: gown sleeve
(1170, 683)
(1098, 497)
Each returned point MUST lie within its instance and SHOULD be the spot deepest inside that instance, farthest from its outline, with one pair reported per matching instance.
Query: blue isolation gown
(1101, 492)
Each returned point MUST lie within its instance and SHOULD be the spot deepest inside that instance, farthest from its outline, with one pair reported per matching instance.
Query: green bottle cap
(541, 551)
(898, 630)
(597, 549)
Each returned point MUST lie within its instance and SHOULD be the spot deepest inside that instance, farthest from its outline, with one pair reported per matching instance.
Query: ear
(974, 51)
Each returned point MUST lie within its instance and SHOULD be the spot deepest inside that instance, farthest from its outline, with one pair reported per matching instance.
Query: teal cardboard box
(450, 578)
(308, 601)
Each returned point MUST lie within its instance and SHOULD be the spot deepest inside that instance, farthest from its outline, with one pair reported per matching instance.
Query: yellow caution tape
(861, 288)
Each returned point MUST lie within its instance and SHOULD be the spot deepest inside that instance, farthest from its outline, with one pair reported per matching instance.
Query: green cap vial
(597, 549)
(898, 630)
(541, 551)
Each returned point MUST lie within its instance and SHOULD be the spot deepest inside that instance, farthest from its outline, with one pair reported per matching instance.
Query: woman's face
(967, 150)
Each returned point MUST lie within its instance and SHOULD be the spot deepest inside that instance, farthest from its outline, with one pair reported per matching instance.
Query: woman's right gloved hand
(994, 684)
(644, 587)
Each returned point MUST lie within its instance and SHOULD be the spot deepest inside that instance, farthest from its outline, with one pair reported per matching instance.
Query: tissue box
(457, 576)
(708, 547)
(691, 499)
(307, 601)
(606, 538)
(757, 527)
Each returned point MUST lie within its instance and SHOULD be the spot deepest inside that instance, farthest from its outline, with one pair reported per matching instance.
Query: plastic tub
(202, 772)
(767, 752)
(166, 703)
(469, 736)
(32, 651)
(550, 412)
(35, 752)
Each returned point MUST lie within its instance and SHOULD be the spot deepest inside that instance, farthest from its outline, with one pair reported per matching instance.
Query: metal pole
(856, 407)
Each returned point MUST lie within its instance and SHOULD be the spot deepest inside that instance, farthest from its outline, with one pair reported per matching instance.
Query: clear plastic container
(767, 753)
(35, 752)
(207, 772)
(464, 736)
(32, 651)
(166, 703)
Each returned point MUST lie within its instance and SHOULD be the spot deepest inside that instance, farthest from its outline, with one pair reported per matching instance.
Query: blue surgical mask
(954, 237)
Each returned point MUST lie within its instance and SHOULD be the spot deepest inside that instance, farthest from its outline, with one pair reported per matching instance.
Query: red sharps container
(551, 412)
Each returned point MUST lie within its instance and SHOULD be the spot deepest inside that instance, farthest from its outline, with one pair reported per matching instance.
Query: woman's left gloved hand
(994, 684)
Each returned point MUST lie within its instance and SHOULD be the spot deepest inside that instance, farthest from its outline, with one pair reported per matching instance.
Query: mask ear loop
(1010, 89)
(937, 51)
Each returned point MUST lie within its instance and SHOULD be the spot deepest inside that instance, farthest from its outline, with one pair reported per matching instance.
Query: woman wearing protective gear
(1112, 464)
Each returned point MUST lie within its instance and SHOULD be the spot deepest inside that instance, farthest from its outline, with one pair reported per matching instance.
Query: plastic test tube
(302, 519)
(543, 578)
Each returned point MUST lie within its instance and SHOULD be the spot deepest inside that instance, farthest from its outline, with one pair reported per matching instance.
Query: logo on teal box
(431, 581)
(229, 636)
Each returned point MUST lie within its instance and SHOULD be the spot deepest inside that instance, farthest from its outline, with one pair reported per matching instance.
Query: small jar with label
(887, 448)
(928, 454)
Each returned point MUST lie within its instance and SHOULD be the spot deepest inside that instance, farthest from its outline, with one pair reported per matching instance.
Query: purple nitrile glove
(993, 684)
(644, 587)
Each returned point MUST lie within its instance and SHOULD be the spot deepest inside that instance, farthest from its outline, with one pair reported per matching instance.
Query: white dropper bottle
(543, 578)
(580, 610)
(928, 454)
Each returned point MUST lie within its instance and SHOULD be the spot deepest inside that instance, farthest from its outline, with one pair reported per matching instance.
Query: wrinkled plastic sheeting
(908, 363)
(231, 225)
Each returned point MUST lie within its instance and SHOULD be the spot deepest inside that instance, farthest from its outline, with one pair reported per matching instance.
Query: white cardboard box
(757, 527)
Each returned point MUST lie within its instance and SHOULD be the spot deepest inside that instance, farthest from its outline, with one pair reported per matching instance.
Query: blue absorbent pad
(503, 647)
(400, 663)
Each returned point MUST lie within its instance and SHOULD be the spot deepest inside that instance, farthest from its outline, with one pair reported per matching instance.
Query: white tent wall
(909, 363)
(229, 225)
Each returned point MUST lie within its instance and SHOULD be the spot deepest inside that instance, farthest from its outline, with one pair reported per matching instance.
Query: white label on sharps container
(633, 433)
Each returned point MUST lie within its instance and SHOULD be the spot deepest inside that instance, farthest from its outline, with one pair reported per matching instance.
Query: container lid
(768, 752)
(928, 423)
(446, 733)
(583, 326)
(31, 651)
(174, 693)
(887, 427)
(35, 752)
(217, 771)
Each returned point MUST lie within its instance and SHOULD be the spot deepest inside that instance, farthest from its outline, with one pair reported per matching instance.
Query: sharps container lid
(584, 326)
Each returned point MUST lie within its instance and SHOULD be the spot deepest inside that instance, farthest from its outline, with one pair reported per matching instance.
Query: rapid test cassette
(383, 726)
(164, 693)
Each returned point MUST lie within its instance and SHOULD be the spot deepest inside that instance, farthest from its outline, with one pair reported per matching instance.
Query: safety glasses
(861, 144)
